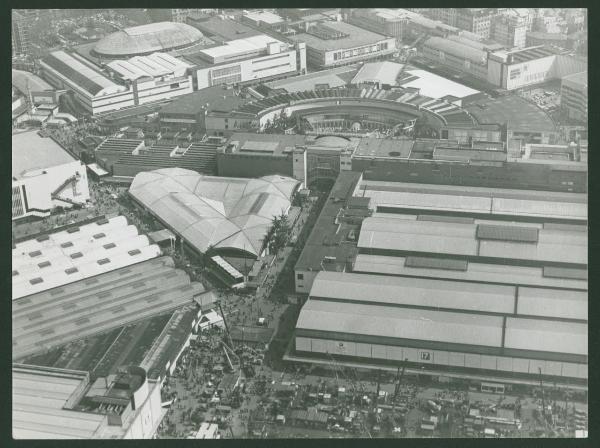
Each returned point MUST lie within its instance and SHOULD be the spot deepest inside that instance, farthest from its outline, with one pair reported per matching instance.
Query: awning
(97, 170)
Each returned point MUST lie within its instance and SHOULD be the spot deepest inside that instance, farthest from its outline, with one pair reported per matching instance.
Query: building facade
(510, 31)
(20, 32)
(574, 97)
(139, 80)
(41, 183)
(249, 60)
(456, 56)
(475, 20)
(515, 69)
(386, 22)
(331, 44)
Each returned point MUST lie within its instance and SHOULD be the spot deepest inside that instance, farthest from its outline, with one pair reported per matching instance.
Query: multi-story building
(447, 15)
(20, 32)
(475, 20)
(330, 44)
(125, 405)
(263, 20)
(192, 112)
(574, 96)
(519, 68)
(180, 15)
(548, 21)
(221, 29)
(249, 60)
(152, 78)
(456, 55)
(388, 22)
(139, 80)
(510, 30)
(44, 176)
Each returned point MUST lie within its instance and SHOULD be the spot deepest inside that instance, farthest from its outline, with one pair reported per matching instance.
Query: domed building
(147, 39)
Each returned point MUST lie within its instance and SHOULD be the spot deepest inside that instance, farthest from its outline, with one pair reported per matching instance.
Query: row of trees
(278, 234)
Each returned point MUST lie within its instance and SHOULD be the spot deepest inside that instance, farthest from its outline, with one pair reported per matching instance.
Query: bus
(494, 388)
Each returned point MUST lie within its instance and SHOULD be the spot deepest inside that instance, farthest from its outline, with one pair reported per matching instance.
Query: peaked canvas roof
(218, 212)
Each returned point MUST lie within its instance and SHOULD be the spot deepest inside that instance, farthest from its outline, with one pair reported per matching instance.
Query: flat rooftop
(456, 330)
(434, 86)
(473, 272)
(98, 304)
(264, 16)
(377, 147)
(520, 114)
(266, 144)
(383, 72)
(502, 242)
(531, 54)
(30, 152)
(335, 77)
(325, 239)
(475, 202)
(381, 309)
(240, 47)
(450, 295)
(226, 29)
(213, 99)
(39, 397)
(356, 37)
(27, 82)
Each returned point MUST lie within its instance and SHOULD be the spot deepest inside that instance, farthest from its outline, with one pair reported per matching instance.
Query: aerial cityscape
(299, 223)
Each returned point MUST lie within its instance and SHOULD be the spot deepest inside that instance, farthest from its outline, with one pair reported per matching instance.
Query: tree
(278, 234)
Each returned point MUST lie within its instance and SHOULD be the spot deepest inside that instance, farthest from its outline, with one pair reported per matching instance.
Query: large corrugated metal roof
(408, 291)
(94, 305)
(541, 209)
(458, 239)
(546, 336)
(477, 272)
(534, 195)
(540, 253)
(402, 323)
(558, 303)
(384, 72)
(83, 73)
(482, 201)
(38, 399)
(439, 202)
(418, 236)
(73, 254)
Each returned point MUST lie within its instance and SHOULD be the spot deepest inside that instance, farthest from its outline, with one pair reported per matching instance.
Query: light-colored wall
(303, 286)
(147, 417)
(530, 72)
(441, 357)
(253, 69)
(39, 186)
(328, 59)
